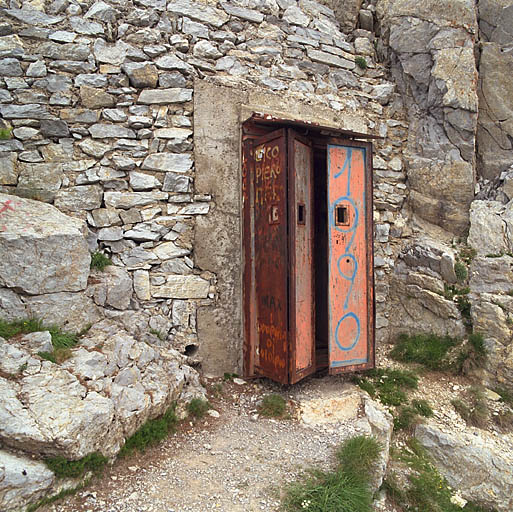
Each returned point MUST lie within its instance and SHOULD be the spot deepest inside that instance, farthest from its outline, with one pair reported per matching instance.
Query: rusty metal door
(271, 255)
(350, 258)
(301, 287)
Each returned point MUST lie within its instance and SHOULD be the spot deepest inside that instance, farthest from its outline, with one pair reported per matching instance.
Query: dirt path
(236, 462)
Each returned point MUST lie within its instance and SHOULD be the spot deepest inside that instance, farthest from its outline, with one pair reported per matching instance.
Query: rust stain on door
(271, 255)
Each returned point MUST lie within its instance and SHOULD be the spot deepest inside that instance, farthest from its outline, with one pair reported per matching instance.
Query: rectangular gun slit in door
(307, 244)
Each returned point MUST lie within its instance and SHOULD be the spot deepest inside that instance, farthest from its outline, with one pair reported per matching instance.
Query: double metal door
(279, 272)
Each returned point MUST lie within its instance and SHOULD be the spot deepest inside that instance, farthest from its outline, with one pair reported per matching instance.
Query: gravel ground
(237, 462)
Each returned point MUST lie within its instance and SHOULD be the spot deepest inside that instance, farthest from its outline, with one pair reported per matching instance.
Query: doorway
(307, 243)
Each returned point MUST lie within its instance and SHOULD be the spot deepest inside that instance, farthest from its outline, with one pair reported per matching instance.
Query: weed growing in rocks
(344, 490)
(5, 133)
(460, 269)
(99, 261)
(505, 394)
(474, 411)
(388, 385)
(427, 489)
(473, 356)
(198, 407)
(428, 350)
(62, 341)
(422, 407)
(158, 334)
(151, 432)
(467, 254)
(51, 499)
(361, 62)
(64, 468)
(272, 406)
(10, 329)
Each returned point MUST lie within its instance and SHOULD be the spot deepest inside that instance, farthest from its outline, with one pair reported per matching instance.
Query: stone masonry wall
(100, 99)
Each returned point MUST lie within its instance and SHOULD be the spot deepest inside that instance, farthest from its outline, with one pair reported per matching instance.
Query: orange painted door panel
(350, 259)
(301, 279)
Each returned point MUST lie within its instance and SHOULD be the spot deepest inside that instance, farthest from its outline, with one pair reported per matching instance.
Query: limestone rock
(40, 181)
(164, 96)
(71, 311)
(491, 227)
(202, 13)
(491, 275)
(41, 249)
(141, 74)
(83, 197)
(175, 162)
(477, 464)
(182, 287)
(495, 128)
(22, 481)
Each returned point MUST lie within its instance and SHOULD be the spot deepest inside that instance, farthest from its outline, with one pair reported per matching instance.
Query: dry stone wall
(99, 96)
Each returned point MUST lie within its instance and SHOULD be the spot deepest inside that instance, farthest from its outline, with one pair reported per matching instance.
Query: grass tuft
(273, 406)
(406, 419)
(64, 468)
(99, 261)
(198, 407)
(361, 62)
(388, 385)
(10, 329)
(423, 408)
(359, 455)
(460, 269)
(151, 432)
(505, 394)
(428, 350)
(474, 411)
(344, 490)
(5, 133)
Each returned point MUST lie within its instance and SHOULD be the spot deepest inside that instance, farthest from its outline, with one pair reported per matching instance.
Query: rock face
(477, 465)
(22, 481)
(41, 249)
(430, 45)
(351, 406)
(495, 90)
(103, 393)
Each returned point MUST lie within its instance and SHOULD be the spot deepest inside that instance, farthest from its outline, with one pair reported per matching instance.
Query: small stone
(206, 50)
(110, 131)
(239, 382)
(176, 162)
(213, 413)
(96, 98)
(37, 69)
(10, 67)
(164, 96)
(50, 128)
(141, 74)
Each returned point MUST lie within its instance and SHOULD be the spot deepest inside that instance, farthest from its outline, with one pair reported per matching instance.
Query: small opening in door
(341, 216)
(301, 214)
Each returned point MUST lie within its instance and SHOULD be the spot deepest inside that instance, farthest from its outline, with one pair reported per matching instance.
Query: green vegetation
(505, 394)
(452, 291)
(5, 133)
(62, 341)
(422, 407)
(99, 261)
(473, 356)
(151, 432)
(229, 376)
(428, 350)
(198, 407)
(51, 499)
(460, 269)
(158, 334)
(387, 385)
(467, 254)
(361, 62)
(427, 490)
(346, 489)
(474, 411)
(408, 416)
(273, 406)
(63, 468)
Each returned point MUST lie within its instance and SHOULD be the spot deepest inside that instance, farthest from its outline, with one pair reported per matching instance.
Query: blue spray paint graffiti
(348, 274)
